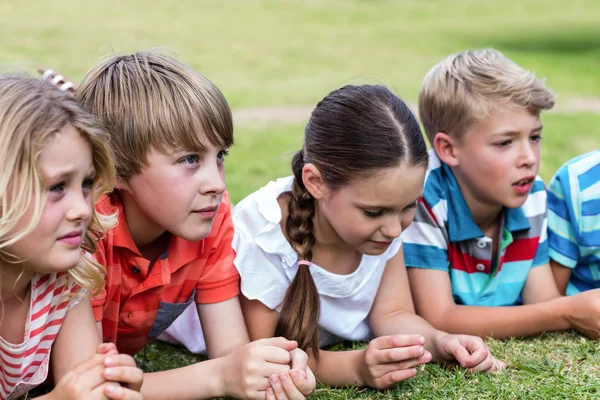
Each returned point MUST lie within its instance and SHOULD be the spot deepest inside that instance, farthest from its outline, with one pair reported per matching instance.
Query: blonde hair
(32, 112)
(466, 86)
(152, 100)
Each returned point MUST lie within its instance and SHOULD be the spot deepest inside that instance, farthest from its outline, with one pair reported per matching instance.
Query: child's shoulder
(261, 207)
(584, 164)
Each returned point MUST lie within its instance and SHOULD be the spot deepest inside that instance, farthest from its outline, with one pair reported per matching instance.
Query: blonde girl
(54, 164)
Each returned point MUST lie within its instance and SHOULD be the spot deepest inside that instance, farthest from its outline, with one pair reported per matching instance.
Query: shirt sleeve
(260, 246)
(425, 243)
(562, 221)
(541, 254)
(219, 280)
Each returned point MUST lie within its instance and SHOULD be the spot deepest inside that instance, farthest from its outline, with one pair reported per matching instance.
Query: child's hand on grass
(122, 370)
(388, 360)
(469, 351)
(245, 372)
(584, 315)
(296, 384)
(86, 381)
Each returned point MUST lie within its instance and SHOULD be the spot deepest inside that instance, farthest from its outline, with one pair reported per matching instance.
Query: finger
(115, 392)
(403, 365)
(302, 381)
(282, 342)
(119, 360)
(394, 377)
(483, 366)
(95, 360)
(106, 347)
(476, 356)
(291, 390)
(393, 341)
(393, 355)
(85, 380)
(129, 375)
(275, 355)
(299, 359)
(277, 387)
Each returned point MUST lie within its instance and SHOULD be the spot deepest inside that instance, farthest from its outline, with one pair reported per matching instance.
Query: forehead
(67, 149)
(395, 187)
(504, 119)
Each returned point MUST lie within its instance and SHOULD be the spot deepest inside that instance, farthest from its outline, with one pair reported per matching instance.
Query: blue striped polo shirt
(443, 236)
(574, 220)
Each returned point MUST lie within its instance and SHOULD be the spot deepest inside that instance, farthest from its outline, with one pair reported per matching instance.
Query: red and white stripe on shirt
(25, 365)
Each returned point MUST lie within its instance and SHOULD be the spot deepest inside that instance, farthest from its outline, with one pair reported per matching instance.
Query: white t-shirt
(267, 263)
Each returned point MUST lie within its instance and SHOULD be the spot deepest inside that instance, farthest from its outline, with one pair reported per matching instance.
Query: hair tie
(304, 262)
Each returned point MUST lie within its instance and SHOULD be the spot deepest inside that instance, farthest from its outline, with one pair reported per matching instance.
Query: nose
(80, 207)
(529, 155)
(212, 181)
(392, 227)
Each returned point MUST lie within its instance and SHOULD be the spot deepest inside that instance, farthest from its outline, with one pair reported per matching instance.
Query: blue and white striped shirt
(574, 220)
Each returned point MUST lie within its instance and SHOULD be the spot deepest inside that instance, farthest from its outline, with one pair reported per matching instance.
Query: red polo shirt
(138, 303)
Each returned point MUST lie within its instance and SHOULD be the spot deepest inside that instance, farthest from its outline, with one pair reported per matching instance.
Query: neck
(14, 281)
(484, 214)
(145, 233)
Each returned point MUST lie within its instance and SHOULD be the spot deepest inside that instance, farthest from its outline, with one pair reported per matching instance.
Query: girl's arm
(76, 341)
(80, 371)
(385, 362)
(393, 313)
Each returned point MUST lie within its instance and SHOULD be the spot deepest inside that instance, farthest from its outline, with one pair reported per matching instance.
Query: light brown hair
(465, 87)
(152, 100)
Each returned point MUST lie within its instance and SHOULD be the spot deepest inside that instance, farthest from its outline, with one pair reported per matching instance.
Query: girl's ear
(311, 177)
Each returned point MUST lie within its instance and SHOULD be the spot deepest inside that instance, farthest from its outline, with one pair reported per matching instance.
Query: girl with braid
(319, 252)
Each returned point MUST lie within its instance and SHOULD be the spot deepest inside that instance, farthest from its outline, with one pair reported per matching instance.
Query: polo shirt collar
(179, 252)
(461, 225)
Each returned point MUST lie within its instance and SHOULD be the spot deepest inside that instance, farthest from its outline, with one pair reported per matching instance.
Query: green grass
(552, 366)
(275, 52)
(263, 153)
(286, 52)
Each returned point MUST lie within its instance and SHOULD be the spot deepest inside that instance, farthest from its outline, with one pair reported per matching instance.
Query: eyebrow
(367, 206)
(67, 173)
(516, 133)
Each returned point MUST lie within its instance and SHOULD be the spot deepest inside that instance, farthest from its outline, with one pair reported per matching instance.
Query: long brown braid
(302, 295)
(352, 133)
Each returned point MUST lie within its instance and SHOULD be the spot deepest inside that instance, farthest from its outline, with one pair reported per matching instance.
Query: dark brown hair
(352, 133)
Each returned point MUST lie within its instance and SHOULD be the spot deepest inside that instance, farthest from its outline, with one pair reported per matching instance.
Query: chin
(193, 235)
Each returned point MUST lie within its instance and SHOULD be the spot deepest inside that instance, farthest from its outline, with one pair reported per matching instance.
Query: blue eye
(536, 138)
(222, 154)
(88, 184)
(505, 143)
(58, 188)
(190, 159)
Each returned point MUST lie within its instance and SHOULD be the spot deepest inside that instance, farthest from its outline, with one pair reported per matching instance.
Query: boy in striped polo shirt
(477, 251)
(574, 224)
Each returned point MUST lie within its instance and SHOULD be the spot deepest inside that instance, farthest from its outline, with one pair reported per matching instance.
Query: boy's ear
(311, 176)
(445, 148)
(120, 185)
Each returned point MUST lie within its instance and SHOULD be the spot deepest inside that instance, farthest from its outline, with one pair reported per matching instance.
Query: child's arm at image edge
(498, 322)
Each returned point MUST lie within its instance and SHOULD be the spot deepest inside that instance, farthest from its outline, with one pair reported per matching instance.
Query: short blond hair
(150, 100)
(33, 112)
(466, 86)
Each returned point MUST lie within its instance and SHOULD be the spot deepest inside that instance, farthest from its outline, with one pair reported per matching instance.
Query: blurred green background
(285, 55)
(274, 60)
